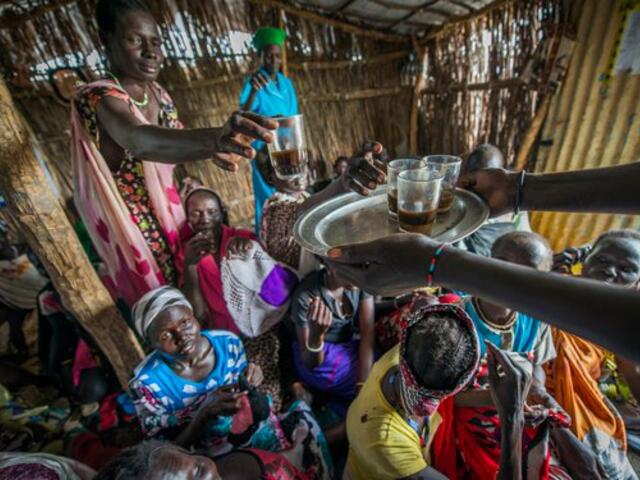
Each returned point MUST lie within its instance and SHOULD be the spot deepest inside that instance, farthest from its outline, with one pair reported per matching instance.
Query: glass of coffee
(393, 169)
(418, 198)
(288, 150)
(449, 167)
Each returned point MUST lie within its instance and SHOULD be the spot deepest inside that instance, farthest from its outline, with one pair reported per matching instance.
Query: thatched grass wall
(473, 92)
(349, 86)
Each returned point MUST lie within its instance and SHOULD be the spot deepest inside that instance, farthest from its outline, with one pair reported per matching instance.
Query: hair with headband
(421, 395)
(147, 309)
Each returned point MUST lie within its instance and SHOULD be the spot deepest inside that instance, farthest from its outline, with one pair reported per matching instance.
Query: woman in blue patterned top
(198, 390)
(186, 389)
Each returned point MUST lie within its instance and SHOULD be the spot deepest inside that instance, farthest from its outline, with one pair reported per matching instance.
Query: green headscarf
(268, 36)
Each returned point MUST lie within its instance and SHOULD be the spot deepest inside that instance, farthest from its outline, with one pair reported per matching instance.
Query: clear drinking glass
(449, 167)
(393, 169)
(288, 151)
(418, 198)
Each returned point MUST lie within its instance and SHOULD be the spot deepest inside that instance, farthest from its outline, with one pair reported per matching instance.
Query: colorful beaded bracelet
(433, 264)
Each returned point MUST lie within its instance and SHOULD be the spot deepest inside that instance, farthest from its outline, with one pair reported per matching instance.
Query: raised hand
(236, 135)
(563, 261)
(496, 186)
(239, 246)
(319, 319)
(259, 80)
(367, 168)
(199, 246)
(389, 266)
(510, 383)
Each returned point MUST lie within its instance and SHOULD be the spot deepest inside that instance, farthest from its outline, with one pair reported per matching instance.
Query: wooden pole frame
(48, 232)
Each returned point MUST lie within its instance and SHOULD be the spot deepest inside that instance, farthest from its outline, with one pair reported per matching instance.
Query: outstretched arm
(604, 190)
(602, 313)
(226, 145)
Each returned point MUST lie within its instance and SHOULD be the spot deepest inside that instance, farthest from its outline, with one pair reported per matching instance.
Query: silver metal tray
(351, 218)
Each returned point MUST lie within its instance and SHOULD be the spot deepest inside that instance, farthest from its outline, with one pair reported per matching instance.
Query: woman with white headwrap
(186, 368)
(198, 390)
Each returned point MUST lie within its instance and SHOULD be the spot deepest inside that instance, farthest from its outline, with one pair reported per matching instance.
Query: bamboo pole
(324, 20)
(496, 84)
(357, 95)
(337, 64)
(323, 97)
(415, 101)
(48, 232)
(532, 133)
(282, 24)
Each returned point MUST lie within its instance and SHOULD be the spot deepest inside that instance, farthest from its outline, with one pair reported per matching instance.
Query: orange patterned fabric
(573, 380)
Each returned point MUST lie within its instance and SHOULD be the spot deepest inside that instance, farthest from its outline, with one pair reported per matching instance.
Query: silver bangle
(314, 350)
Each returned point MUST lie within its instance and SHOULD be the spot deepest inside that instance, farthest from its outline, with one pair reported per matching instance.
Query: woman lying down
(197, 390)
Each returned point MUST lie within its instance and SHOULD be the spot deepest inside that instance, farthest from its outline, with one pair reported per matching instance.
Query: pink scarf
(131, 269)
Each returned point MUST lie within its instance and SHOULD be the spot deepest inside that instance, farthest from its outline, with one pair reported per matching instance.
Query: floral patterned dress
(129, 177)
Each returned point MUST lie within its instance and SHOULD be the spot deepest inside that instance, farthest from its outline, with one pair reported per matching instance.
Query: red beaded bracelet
(433, 264)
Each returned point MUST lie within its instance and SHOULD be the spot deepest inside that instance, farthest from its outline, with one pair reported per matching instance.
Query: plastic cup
(393, 169)
(288, 151)
(449, 167)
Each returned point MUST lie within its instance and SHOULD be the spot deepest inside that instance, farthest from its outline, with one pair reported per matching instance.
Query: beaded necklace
(141, 104)
(485, 318)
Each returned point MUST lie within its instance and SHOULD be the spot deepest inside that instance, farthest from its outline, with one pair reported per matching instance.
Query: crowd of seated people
(406, 385)
(263, 361)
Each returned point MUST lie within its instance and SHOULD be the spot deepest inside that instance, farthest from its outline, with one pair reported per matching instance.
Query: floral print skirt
(132, 187)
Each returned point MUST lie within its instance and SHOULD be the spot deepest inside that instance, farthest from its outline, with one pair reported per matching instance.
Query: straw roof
(408, 17)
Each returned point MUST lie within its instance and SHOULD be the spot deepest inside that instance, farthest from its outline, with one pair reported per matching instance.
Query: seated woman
(392, 422)
(575, 375)
(334, 324)
(470, 419)
(197, 389)
(212, 240)
(152, 460)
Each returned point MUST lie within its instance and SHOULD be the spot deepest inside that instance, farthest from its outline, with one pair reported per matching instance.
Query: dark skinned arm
(196, 248)
(193, 293)
(367, 338)
(601, 313)
(599, 190)
(159, 144)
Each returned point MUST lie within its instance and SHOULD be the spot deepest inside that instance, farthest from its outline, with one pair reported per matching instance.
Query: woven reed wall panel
(206, 88)
(591, 123)
(472, 91)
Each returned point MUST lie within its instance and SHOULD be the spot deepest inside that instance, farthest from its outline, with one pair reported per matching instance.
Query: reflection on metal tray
(351, 218)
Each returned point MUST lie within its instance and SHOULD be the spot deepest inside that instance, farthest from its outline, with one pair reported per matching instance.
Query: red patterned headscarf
(421, 401)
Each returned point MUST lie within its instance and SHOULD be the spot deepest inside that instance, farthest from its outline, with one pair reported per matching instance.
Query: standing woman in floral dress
(126, 140)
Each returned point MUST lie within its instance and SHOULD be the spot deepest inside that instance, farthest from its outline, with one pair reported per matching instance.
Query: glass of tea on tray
(288, 150)
(449, 167)
(393, 169)
(418, 199)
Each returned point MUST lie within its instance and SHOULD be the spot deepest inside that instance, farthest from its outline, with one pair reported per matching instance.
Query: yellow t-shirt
(382, 445)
